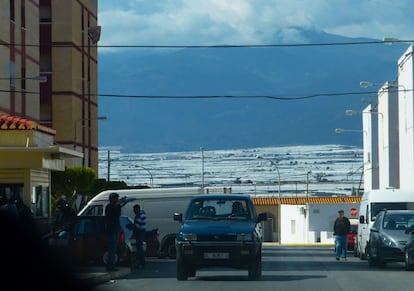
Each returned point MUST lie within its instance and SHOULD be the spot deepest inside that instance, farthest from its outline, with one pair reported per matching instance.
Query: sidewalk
(92, 276)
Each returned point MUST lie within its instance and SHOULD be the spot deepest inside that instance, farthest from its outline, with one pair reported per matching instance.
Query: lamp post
(83, 119)
(149, 172)
(273, 163)
(75, 137)
(307, 185)
(202, 168)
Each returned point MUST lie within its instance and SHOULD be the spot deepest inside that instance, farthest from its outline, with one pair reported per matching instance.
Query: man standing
(113, 227)
(342, 227)
(139, 229)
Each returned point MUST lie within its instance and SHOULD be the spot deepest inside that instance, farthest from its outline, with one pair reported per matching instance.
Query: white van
(160, 204)
(371, 203)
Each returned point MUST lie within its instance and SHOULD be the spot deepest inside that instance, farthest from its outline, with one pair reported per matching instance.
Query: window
(12, 69)
(23, 80)
(23, 16)
(45, 14)
(12, 17)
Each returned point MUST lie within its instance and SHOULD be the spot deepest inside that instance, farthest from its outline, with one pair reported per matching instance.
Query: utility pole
(202, 169)
(109, 166)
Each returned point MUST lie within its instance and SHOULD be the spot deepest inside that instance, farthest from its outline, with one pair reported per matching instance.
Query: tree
(73, 181)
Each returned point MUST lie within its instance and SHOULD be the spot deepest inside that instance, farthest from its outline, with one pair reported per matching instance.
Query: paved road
(284, 268)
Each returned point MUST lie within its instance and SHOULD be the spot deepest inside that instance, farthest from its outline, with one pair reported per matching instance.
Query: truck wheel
(170, 247)
(105, 258)
(182, 272)
(255, 269)
(191, 271)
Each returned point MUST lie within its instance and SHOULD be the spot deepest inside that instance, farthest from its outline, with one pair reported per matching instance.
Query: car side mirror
(64, 234)
(361, 219)
(262, 217)
(409, 230)
(178, 217)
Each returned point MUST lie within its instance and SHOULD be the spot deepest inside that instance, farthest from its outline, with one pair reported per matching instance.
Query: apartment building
(48, 94)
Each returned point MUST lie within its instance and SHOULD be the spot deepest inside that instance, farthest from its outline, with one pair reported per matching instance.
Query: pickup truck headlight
(187, 236)
(244, 236)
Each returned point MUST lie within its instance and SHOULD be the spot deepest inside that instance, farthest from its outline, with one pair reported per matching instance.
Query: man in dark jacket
(113, 227)
(342, 227)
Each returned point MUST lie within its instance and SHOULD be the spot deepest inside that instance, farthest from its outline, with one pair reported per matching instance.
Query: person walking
(139, 230)
(342, 227)
(113, 227)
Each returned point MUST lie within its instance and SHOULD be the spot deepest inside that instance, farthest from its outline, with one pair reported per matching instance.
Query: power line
(368, 42)
(272, 97)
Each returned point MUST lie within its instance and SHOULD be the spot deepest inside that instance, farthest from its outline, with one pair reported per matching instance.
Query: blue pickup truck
(219, 230)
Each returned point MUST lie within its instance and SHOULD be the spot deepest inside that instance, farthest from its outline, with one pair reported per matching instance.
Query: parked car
(409, 250)
(214, 232)
(352, 234)
(388, 237)
(85, 241)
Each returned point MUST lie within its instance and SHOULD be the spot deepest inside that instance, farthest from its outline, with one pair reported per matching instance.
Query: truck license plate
(216, 255)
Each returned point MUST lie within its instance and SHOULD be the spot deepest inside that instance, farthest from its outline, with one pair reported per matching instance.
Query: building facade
(302, 220)
(48, 94)
(69, 58)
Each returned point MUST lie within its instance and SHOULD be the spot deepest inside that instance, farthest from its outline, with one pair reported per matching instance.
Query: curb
(275, 244)
(93, 277)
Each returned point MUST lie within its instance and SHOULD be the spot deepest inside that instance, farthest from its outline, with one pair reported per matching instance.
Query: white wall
(388, 138)
(370, 145)
(315, 226)
(322, 216)
(293, 226)
(406, 119)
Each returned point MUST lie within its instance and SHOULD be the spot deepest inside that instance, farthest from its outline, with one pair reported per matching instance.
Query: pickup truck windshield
(216, 209)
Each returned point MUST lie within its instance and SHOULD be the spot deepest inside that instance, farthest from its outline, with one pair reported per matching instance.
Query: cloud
(212, 22)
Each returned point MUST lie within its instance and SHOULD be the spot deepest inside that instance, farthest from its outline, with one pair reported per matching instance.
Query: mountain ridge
(237, 119)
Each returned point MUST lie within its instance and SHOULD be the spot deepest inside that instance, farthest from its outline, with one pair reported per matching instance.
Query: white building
(370, 145)
(406, 119)
(388, 137)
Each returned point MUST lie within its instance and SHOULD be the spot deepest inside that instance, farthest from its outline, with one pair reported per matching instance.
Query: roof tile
(9, 122)
(303, 200)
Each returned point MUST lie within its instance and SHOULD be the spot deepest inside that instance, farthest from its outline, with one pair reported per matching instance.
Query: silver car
(388, 237)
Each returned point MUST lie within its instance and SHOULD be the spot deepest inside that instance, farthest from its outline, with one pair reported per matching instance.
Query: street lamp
(391, 40)
(83, 119)
(385, 86)
(366, 84)
(351, 112)
(342, 130)
(149, 172)
(277, 169)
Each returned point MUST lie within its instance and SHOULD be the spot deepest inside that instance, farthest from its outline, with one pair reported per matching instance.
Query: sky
(246, 22)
